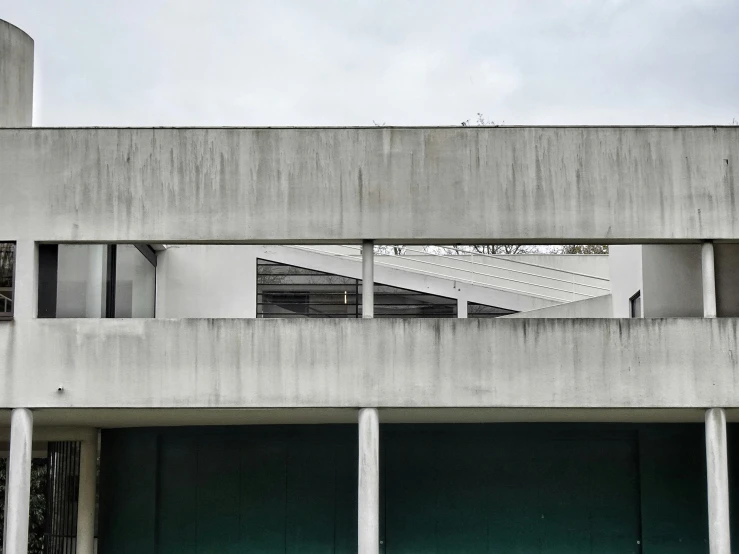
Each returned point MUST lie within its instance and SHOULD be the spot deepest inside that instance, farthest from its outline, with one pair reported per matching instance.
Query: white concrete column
(86, 502)
(368, 279)
(369, 481)
(709, 280)
(25, 293)
(18, 482)
(717, 466)
(95, 292)
(461, 308)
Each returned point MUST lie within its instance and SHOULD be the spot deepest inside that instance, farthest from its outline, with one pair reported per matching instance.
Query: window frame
(632, 304)
(9, 316)
(49, 262)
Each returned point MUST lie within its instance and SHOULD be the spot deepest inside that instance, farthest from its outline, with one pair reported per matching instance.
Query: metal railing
(60, 536)
(6, 302)
(7, 269)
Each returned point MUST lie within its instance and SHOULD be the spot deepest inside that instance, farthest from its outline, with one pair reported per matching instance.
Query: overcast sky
(398, 62)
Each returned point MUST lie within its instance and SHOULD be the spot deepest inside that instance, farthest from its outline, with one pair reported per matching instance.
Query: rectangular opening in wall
(325, 281)
(96, 281)
(7, 272)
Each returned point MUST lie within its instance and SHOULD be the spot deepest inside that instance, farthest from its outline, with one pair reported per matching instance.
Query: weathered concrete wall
(16, 77)
(547, 363)
(412, 185)
(626, 276)
(598, 307)
(206, 281)
(672, 282)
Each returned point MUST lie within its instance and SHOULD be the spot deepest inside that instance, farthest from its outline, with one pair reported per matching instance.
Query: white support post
(709, 280)
(461, 308)
(368, 279)
(18, 482)
(86, 502)
(719, 535)
(95, 292)
(369, 482)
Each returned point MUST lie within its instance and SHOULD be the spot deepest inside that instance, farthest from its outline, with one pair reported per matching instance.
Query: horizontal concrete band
(229, 363)
(408, 185)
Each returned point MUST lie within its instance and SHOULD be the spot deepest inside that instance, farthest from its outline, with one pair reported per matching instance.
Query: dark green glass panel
(218, 495)
(263, 498)
(311, 506)
(178, 493)
(271, 489)
(502, 488)
(673, 489)
(128, 507)
(513, 489)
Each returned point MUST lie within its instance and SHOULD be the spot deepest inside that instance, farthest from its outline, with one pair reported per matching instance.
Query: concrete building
(438, 401)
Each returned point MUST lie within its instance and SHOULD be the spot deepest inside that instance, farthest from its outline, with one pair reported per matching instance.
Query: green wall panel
(128, 482)
(263, 507)
(218, 495)
(673, 489)
(177, 495)
(275, 489)
(493, 488)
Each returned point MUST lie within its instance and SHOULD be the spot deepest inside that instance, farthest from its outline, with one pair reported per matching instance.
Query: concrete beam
(407, 185)
(246, 363)
(165, 417)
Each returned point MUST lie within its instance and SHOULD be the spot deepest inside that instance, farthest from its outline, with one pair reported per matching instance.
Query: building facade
(436, 401)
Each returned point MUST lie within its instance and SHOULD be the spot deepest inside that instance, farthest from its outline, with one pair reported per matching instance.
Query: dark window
(482, 310)
(290, 302)
(7, 270)
(397, 302)
(290, 291)
(635, 305)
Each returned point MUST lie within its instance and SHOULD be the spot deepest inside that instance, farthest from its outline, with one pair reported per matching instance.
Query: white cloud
(332, 62)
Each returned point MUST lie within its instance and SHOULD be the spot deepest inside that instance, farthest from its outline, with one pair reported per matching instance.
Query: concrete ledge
(407, 185)
(248, 363)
